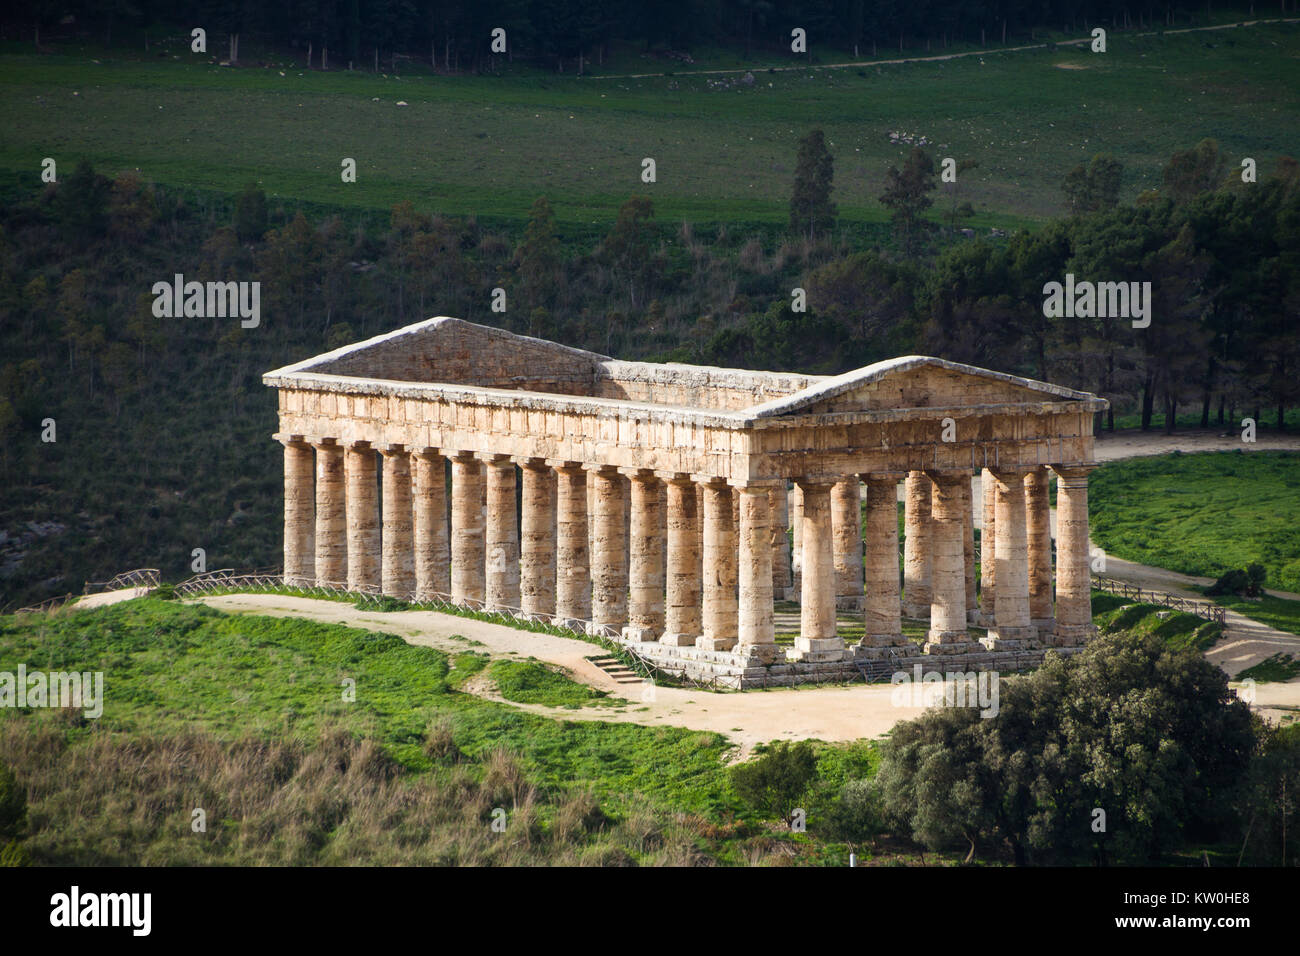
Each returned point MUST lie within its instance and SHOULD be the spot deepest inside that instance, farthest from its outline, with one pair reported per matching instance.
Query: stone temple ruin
(651, 503)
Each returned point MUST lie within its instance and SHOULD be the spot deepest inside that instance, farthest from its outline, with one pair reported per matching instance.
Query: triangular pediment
(915, 381)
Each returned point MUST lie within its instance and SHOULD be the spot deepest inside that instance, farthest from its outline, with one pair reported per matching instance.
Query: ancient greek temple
(671, 506)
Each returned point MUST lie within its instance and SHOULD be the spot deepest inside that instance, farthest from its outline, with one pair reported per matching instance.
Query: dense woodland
(565, 34)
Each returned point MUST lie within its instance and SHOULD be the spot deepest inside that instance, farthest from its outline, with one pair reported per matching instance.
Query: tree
(81, 203)
(250, 214)
(907, 194)
(538, 255)
(811, 209)
(776, 782)
(1191, 172)
(628, 244)
(1095, 187)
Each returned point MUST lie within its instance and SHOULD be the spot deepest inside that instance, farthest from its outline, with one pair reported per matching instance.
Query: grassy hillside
(489, 145)
(1202, 514)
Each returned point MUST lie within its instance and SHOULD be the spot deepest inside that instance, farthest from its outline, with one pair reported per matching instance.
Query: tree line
(563, 34)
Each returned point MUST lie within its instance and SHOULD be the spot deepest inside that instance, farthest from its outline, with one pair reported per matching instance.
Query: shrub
(13, 805)
(776, 782)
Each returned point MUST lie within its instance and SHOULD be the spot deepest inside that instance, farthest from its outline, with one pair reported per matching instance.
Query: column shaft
(948, 564)
(502, 543)
(720, 612)
(363, 518)
(429, 507)
(645, 607)
(331, 517)
(756, 631)
(968, 550)
(884, 626)
(988, 546)
(1011, 605)
(537, 532)
(683, 618)
(817, 637)
(1073, 581)
(778, 506)
(846, 530)
(572, 551)
(468, 584)
(609, 554)
(1038, 520)
(397, 574)
(916, 546)
(299, 514)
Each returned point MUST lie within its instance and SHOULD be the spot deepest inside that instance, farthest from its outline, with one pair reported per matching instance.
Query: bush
(776, 782)
(13, 806)
(858, 816)
(1246, 583)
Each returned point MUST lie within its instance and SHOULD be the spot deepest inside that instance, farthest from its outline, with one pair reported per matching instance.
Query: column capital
(285, 438)
(321, 441)
(394, 448)
(1075, 471)
(562, 464)
(944, 476)
(1011, 472)
(675, 477)
(464, 457)
(532, 464)
(638, 474)
(892, 476)
(709, 481)
(605, 471)
(756, 484)
(816, 483)
(425, 451)
(491, 458)
(359, 444)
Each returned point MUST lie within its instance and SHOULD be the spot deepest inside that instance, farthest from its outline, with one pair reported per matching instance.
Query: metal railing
(135, 578)
(1202, 609)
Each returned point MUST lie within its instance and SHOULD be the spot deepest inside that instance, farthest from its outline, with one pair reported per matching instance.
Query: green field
(489, 145)
(1202, 514)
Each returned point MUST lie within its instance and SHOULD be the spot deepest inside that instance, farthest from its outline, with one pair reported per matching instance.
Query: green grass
(1279, 667)
(1202, 514)
(1177, 629)
(489, 145)
(1280, 613)
(532, 682)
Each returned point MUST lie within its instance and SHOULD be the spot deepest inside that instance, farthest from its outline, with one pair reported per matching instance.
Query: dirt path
(749, 718)
(1143, 444)
(858, 64)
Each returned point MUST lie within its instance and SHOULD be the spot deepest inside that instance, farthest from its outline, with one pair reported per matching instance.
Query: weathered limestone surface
(362, 508)
(756, 634)
(684, 622)
(1011, 625)
(429, 516)
(331, 516)
(720, 609)
(817, 638)
(988, 546)
(1073, 582)
(681, 457)
(646, 573)
(916, 546)
(846, 529)
(299, 514)
(468, 581)
(537, 534)
(948, 565)
(572, 562)
(1038, 530)
(609, 553)
(397, 571)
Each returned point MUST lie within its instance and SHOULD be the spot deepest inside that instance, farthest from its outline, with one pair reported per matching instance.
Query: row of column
(704, 574)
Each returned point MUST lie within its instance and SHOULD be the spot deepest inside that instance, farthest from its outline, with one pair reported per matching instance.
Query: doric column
(1073, 581)
(429, 523)
(1011, 625)
(756, 633)
(645, 604)
(537, 588)
(817, 638)
(988, 546)
(609, 553)
(1038, 531)
(720, 624)
(363, 517)
(502, 543)
(299, 513)
(968, 551)
(796, 541)
(397, 573)
(778, 506)
(331, 516)
(467, 533)
(947, 565)
(884, 626)
(683, 619)
(916, 546)
(572, 552)
(846, 530)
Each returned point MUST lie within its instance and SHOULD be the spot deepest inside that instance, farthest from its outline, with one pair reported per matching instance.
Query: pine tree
(907, 194)
(811, 209)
